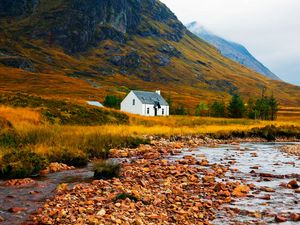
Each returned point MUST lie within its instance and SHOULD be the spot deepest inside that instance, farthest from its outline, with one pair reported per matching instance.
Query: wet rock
(266, 197)
(267, 189)
(280, 219)
(295, 217)
(20, 182)
(293, 184)
(16, 209)
(241, 191)
(254, 154)
(1, 219)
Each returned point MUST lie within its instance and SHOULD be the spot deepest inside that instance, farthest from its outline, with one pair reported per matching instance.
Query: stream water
(267, 160)
(33, 196)
(265, 157)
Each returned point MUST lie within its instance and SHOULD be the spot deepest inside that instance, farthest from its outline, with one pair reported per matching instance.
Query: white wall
(152, 112)
(127, 106)
(139, 108)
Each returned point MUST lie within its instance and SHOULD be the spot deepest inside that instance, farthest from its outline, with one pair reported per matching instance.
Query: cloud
(270, 29)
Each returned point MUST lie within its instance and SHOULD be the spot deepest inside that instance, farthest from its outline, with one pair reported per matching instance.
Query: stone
(162, 60)
(102, 212)
(293, 184)
(16, 209)
(280, 219)
(241, 191)
(295, 217)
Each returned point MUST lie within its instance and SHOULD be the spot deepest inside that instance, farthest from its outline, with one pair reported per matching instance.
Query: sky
(269, 29)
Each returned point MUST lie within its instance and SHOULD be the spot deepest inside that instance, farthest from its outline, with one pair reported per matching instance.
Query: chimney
(158, 92)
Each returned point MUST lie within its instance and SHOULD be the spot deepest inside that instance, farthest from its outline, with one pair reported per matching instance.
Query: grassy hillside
(34, 60)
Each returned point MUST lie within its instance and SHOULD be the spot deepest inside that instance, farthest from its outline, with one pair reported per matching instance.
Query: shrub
(123, 196)
(106, 169)
(70, 157)
(21, 163)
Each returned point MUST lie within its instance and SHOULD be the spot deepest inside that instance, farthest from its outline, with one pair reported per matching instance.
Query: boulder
(163, 60)
(169, 50)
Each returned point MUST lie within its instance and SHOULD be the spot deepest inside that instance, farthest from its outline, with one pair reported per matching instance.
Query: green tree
(112, 101)
(250, 109)
(236, 107)
(202, 110)
(217, 109)
(180, 110)
(273, 107)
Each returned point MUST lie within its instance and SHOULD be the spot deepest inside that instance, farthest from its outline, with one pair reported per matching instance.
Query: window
(163, 112)
(133, 102)
(148, 111)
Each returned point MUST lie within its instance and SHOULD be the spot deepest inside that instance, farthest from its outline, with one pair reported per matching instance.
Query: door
(155, 111)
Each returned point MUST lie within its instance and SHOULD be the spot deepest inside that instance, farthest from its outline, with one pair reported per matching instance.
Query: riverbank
(171, 182)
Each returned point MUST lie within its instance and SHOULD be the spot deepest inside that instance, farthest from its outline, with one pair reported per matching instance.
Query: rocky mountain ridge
(231, 50)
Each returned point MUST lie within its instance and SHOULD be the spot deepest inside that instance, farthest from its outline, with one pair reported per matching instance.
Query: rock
(267, 189)
(293, 184)
(265, 197)
(1, 219)
(17, 62)
(280, 219)
(241, 191)
(169, 50)
(295, 217)
(20, 182)
(163, 60)
(16, 209)
(130, 61)
(102, 212)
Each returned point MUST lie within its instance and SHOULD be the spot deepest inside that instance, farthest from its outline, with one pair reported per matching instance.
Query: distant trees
(217, 109)
(112, 101)
(179, 110)
(265, 108)
(236, 107)
(202, 110)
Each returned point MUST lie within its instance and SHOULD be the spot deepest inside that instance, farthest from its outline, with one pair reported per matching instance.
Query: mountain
(84, 49)
(231, 50)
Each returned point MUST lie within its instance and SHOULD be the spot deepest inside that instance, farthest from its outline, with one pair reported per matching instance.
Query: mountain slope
(231, 50)
(84, 49)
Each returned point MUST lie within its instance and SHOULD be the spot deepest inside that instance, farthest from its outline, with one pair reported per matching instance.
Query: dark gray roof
(150, 98)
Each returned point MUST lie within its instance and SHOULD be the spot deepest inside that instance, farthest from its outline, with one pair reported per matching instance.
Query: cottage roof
(151, 98)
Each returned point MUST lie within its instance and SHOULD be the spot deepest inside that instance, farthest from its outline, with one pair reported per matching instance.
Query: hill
(84, 49)
(231, 50)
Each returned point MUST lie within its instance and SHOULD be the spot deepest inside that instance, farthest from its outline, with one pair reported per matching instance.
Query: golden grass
(21, 117)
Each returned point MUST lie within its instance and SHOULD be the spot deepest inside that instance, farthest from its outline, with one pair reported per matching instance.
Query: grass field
(25, 131)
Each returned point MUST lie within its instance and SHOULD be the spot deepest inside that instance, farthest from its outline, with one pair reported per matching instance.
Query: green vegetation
(265, 108)
(106, 169)
(21, 163)
(217, 109)
(202, 110)
(269, 132)
(236, 107)
(112, 101)
(123, 196)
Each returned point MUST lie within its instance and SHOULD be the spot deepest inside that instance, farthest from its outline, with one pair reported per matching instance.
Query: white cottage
(145, 104)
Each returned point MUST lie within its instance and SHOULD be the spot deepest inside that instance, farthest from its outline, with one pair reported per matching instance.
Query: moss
(106, 170)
